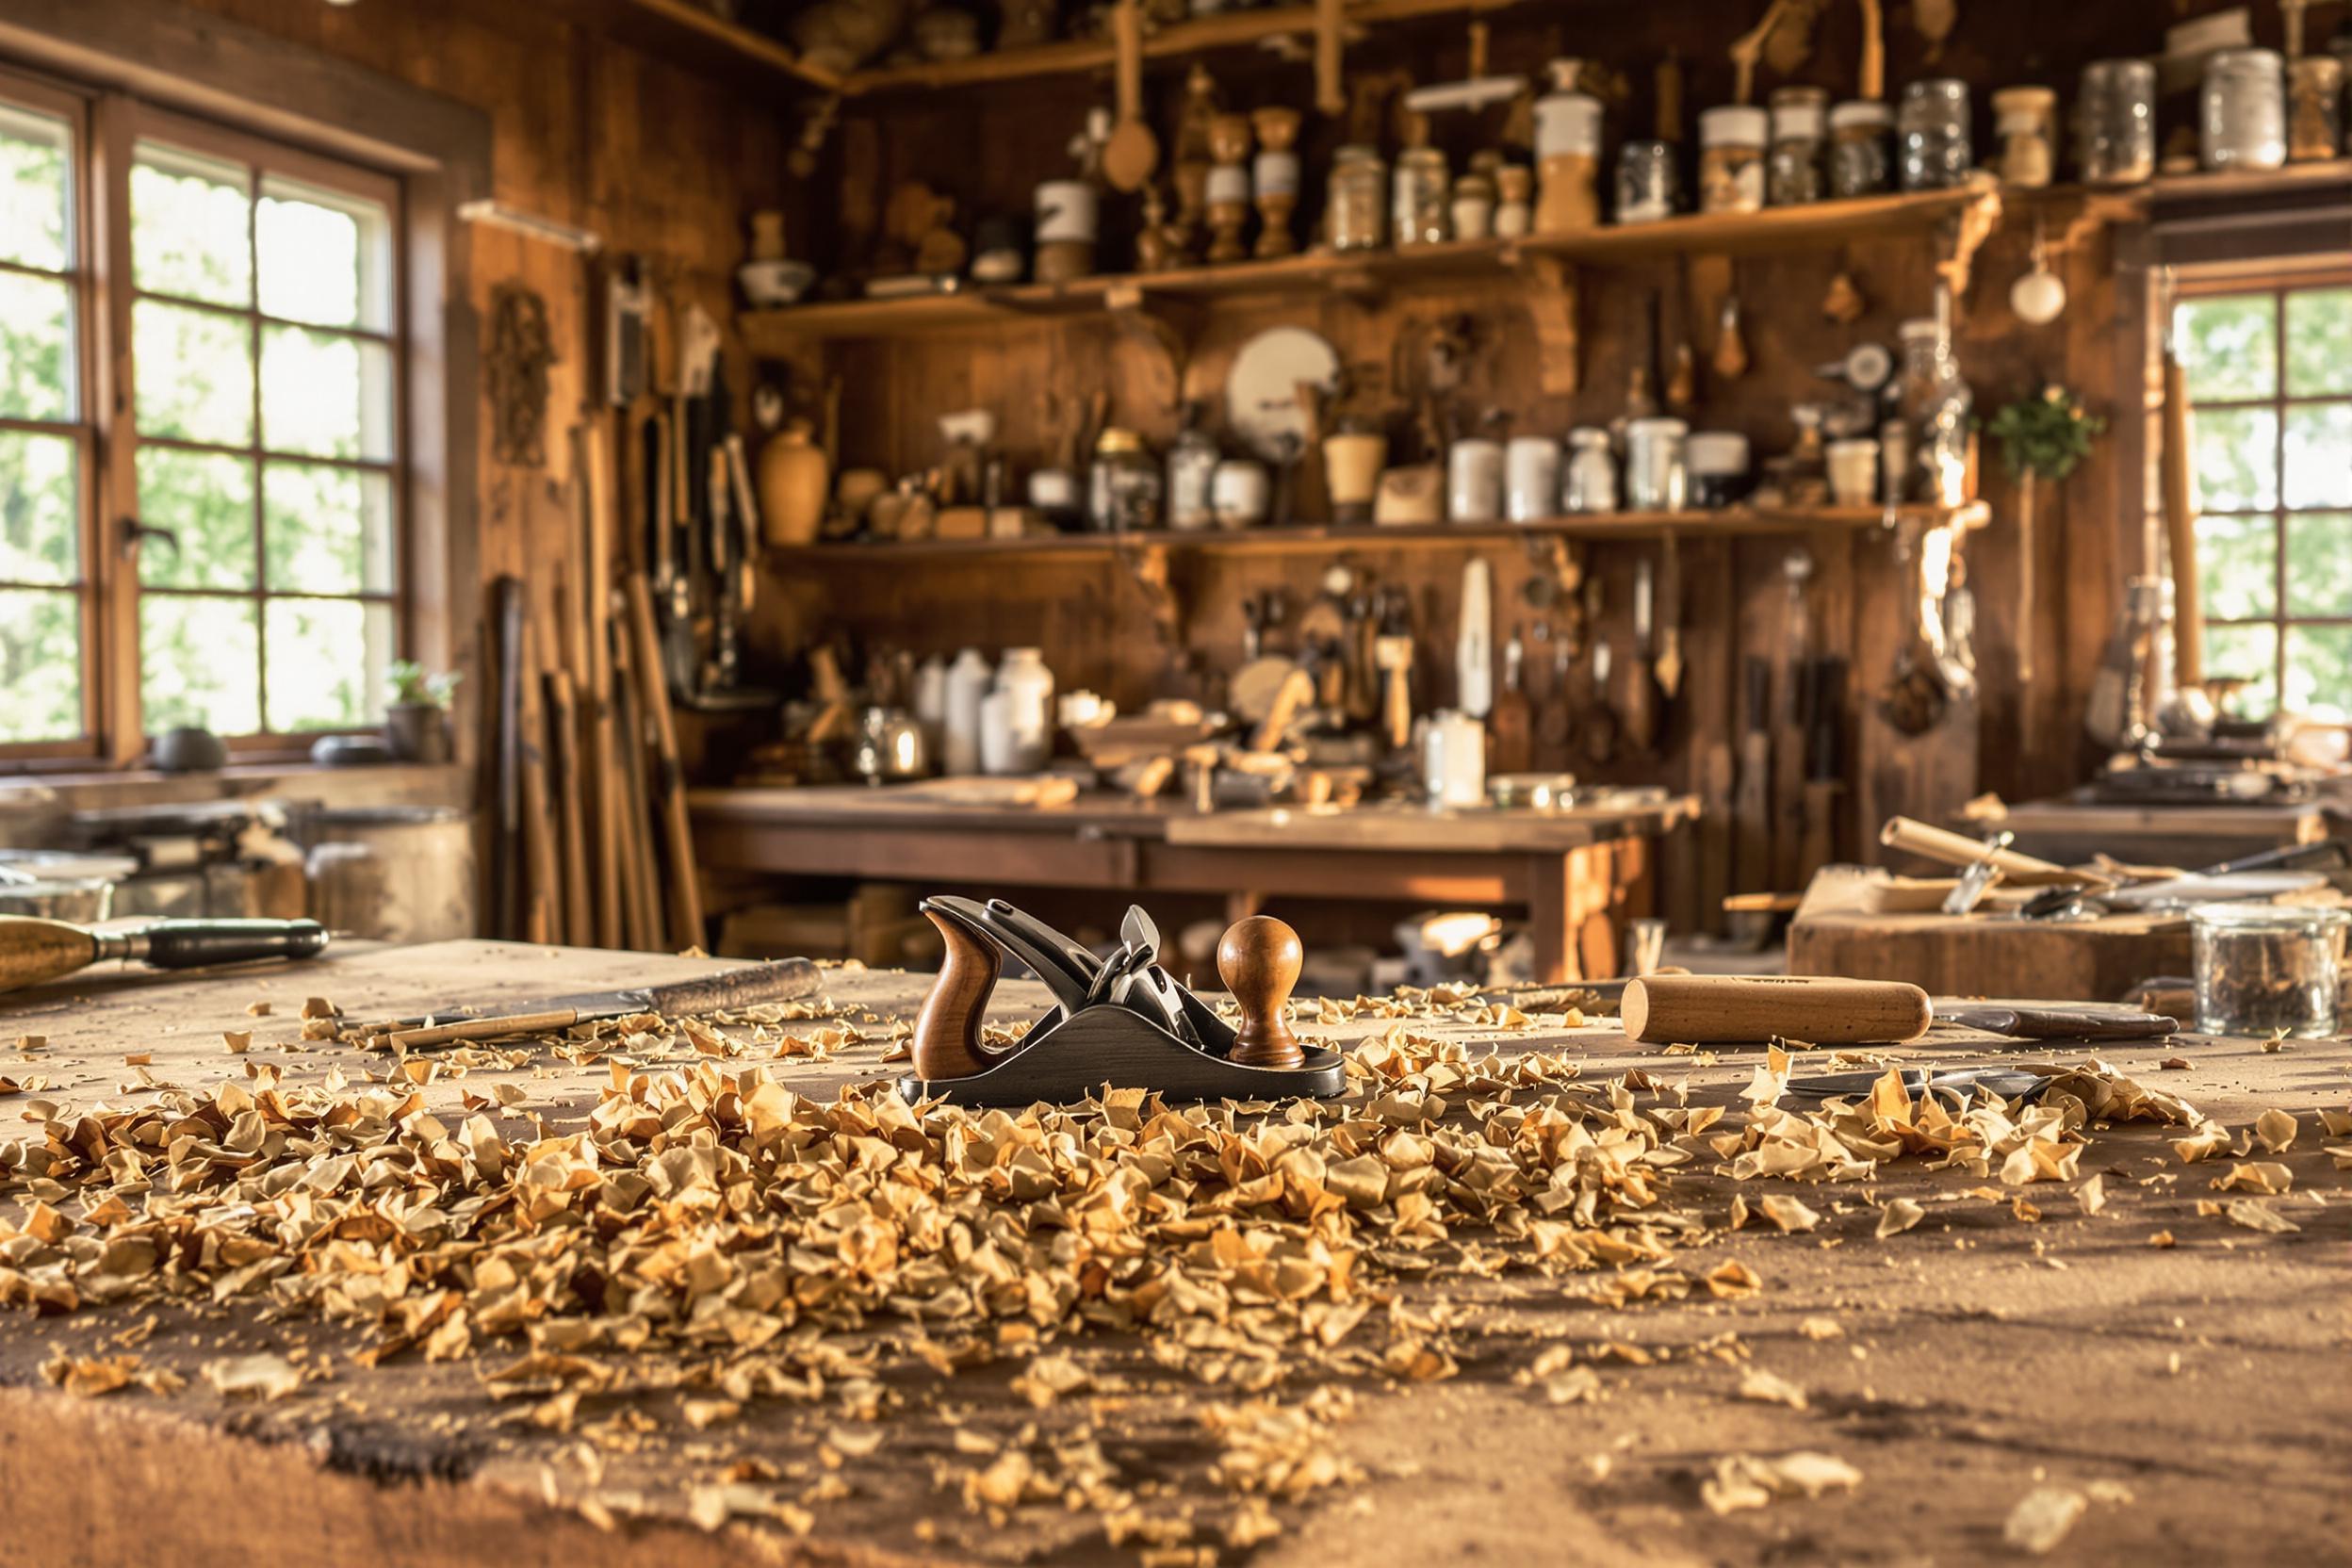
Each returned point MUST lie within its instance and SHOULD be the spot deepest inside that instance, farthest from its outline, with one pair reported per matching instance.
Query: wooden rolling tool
(33, 952)
(1726, 1009)
(1259, 960)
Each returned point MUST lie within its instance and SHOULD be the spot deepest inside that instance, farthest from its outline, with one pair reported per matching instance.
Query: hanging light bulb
(2039, 295)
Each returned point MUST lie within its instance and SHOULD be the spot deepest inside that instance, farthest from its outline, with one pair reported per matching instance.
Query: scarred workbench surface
(2188, 1398)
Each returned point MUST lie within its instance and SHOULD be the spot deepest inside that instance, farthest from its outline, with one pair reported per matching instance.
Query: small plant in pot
(416, 721)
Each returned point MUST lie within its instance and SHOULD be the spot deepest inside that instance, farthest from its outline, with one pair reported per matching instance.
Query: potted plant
(415, 723)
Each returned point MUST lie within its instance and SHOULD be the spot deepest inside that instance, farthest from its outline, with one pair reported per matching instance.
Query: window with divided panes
(2270, 392)
(257, 460)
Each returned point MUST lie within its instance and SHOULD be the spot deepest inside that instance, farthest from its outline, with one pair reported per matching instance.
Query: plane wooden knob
(1259, 960)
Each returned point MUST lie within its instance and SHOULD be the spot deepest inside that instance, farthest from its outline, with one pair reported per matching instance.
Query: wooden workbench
(2195, 1390)
(1579, 873)
(2070, 830)
(1985, 953)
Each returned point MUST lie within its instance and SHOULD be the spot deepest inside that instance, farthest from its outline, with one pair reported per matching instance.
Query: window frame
(88, 587)
(2277, 278)
(107, 126)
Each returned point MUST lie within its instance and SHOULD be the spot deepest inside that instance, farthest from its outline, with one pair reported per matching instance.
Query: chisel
(35, 951)
(732, 990)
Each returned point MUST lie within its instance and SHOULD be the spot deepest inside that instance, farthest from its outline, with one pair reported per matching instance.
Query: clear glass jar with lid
(1732, 139)
(1356, 210)
(2241, 111)
(2315, 108)
(1796, 168)
(1191, 467)
(1859, 161)
(1934, 128)
(2026, 120)
(2116, 121)
(1589, 482)
(1935, 404)
(1124, 488)
(1418, 208)
(1649, 183)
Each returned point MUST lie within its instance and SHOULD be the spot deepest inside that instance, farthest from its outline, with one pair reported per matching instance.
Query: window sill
(29, 803)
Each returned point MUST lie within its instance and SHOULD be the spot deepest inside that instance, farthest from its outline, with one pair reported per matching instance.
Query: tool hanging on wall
(1640, 710)
(1751, 809)
(2179, 491)
(1125, 1021)
(683, 889)
(1133, 153)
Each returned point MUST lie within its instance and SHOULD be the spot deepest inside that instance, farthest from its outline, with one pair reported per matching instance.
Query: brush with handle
(33, 951)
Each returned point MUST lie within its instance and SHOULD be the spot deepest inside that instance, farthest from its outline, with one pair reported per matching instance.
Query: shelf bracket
(1552, 297)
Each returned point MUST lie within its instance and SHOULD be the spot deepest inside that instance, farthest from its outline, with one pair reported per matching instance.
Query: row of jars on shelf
(2256, 113)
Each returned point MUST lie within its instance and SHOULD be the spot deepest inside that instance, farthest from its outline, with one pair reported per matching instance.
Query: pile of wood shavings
(709, 1212)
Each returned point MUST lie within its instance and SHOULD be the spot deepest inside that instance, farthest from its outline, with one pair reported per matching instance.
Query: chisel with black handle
(34, 951)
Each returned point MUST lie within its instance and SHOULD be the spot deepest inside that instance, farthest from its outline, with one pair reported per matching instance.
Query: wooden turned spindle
(947, 1031)
(1259, 960)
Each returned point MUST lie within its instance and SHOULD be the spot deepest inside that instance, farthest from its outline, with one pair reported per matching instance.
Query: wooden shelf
(1234, 30)
(1818, 223)
(685, 34)
(1322, 539)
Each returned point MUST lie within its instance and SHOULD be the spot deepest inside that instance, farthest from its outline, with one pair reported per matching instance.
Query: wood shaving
(2264, 1176)
(1898, 1214)
(1747, 1482)
(2042, 1519)
(1768, 1388)
(2275, 1131)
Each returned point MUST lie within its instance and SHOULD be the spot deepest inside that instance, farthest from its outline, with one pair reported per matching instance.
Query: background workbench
(2072, 829)
(1970, 1360)
(1580, 873)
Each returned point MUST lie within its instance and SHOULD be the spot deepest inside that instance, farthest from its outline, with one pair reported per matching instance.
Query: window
(254, 477)
(2270, 390)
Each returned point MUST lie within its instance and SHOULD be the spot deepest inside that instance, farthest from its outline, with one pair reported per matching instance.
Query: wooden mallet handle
(1724, 1009)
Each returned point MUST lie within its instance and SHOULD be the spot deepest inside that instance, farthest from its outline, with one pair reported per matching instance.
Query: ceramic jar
(1418, 200)
(1717, 464)
(1649, 185)
(1657, 477)
(1732, 139)
(1568, 161)
(1066, 229)
(1515, 209)
(1473, 207)
(2026, 120)
(1530, 478)
(1355, 213)
(1860, 163)
(2116, 121)
(968, 682)
(1853, 471)
(2315, 108)
(1241, 493)
(1453, 759)
(2241, 111)
(1474, 481)
(1932, 127)
(1590, 482)
(1353, 457)
(1796, 168)
(1025, 686)
(793, 481)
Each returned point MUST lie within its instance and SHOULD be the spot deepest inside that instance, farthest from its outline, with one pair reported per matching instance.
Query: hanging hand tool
(1668, 666)
(1510, 727)
(1794, 694)
(1824, 765)
(34, 951)
(1474, 645)
(1752, 810)
(1641, 714)
(1392, 651)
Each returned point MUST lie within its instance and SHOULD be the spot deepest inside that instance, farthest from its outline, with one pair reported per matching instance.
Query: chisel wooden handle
(1724, 1009)
(1958, 849)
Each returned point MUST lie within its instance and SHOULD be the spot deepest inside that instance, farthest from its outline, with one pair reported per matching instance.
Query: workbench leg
(1553, 918)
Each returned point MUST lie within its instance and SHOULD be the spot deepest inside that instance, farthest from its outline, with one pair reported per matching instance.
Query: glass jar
(2242, 112)
(2026, 120)
(1417, 206)
(1568, 162)
(1191, 467)
(2116, 121)
(1731, 158)
(1356, 213)
(1530, 478)
(2315, 108)
(1649, 187)
(1474, 481)
(1794, 172)
(1934, 130)
(1590, 482)
(1657, 474)
(1935, 404)
(1859, 163)
(1124, 488)
(2265, 968)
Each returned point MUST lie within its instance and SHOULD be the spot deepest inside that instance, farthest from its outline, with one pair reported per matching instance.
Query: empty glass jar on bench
(2263, 969)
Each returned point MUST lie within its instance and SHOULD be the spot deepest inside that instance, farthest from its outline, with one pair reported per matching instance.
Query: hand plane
(1124, 1022)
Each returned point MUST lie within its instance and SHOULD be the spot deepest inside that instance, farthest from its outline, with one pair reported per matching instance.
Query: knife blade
(2036, 1021)
(745, 986)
